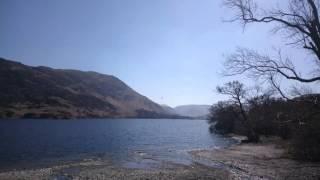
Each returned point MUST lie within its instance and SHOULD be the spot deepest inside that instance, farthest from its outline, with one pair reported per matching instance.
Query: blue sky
(168, 50)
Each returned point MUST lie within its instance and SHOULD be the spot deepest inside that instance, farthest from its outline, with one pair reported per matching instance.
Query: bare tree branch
(262, 66)
(300, 20)
(277, 88)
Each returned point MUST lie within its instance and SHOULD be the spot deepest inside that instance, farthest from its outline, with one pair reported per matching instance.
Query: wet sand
(266, 160)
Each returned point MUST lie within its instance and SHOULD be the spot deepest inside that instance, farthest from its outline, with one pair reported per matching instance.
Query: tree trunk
(251, 134)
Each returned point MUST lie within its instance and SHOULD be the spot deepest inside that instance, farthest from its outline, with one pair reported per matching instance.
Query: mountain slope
(35, 92)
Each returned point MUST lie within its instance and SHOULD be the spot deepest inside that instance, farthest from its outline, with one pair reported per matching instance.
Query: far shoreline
(102, 118)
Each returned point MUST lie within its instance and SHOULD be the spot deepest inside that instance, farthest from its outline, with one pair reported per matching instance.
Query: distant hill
(191, 111)
(194, 111)
(169, 109)
(43, 92)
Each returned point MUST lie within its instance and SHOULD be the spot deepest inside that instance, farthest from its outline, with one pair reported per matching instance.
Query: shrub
(223, 118)
(305, 144)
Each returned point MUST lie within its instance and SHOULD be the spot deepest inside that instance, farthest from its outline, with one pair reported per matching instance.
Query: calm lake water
(26, 143)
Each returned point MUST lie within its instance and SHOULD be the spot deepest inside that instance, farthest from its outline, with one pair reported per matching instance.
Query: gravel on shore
(265, 160)
(101, 170)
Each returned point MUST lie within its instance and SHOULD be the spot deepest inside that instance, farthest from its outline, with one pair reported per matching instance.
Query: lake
(127, 142)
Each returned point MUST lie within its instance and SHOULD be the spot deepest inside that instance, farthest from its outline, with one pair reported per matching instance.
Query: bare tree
(300, 22)
(236, 91)
(258, 65)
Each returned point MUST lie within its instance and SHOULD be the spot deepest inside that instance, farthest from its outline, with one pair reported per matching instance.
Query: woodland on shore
(292, 113)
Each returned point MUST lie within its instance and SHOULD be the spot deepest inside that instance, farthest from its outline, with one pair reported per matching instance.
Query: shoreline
(107, 170)
(266, 160)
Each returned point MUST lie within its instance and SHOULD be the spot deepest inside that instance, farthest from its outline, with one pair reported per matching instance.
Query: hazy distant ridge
(193, 111)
